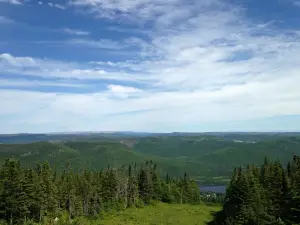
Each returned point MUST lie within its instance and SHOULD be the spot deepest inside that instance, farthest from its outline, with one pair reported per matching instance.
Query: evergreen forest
(207, 159)
(84, 182)
(261, 196)
(41, 195)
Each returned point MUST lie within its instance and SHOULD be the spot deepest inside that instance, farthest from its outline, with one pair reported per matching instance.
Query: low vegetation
(162, 214)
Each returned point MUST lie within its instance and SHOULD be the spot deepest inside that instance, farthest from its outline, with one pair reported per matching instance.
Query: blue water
(214, 188)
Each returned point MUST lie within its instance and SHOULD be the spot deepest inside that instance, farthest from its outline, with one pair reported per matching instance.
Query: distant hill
(88, 136)
(90, 155)
(57, 137)
(209, 159)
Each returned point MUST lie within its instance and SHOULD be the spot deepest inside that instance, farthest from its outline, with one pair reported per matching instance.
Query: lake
(214, 188)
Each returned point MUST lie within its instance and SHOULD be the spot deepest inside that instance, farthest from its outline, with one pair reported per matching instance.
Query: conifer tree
(132, 187)
(295, 191)
(145, 186)
(39, 194)
(269, 196)
(156, 181)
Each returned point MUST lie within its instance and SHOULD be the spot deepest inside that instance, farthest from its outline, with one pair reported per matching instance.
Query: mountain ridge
(204, 158)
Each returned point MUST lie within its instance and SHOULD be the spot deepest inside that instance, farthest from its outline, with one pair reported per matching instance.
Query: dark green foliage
(295, 191)
(40, 195)
(145, 186)
(269, 195)
(208, 159)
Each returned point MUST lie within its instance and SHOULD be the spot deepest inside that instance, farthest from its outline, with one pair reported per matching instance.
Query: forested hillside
(39, 194)
(90, 155)
(208, 159)
(86, 178)
(266, 195)
(92, 136)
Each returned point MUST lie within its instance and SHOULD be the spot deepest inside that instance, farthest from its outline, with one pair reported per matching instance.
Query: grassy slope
(162, 214)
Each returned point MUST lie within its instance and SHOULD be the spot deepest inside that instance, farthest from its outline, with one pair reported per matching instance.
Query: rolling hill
(90, 155)
(209, 159)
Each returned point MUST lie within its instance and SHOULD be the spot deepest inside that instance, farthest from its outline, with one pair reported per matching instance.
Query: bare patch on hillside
(129, 143)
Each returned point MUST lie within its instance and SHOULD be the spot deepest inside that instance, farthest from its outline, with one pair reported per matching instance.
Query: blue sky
(149, 65)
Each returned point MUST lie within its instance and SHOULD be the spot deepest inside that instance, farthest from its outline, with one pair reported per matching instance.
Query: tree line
(40, 194)
(269, 194)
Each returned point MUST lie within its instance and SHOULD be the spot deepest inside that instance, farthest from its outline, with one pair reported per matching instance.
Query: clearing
(162, 214)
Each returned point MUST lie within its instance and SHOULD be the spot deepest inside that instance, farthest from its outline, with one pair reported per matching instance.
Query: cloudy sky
(149, 65)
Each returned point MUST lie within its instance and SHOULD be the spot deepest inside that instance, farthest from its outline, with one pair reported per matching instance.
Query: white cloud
(56, 5)
(139, 10)
(107, 8)
(202, 63)
(36, 83)
(297, 3)
(129, 46)
(51, 68)
(40, 3)
(76, 32)
(102, 43)
(123, 91)
(13, 2)
(59, 6)
(5, 20)
(148, 111)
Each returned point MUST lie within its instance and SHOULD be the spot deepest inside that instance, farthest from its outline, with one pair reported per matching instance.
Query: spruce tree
(145, 186)
(295, 192)
(13, 196)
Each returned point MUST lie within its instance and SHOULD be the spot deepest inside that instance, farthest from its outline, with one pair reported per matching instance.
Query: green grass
(162, 214)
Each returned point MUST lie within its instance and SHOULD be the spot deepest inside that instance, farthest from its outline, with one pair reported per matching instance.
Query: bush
(3, 222)
(140, 204)
(30, 222)
(120, 206)
(153, 202)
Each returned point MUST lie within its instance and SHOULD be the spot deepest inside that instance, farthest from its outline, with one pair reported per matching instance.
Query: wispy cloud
(36, 83)
(102, 43)
(297, 3)
(59, 6)
(51, 68)
(129, 30)
(5, 20)
(76, 32)
(164, 111)
(14, 2)
(202, 62)
(54, 5)
(140, 10)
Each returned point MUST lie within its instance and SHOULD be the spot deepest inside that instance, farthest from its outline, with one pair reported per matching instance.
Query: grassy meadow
(159, 214)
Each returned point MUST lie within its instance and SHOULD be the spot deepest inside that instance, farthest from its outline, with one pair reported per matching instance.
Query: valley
(163, 179)
(208, 158)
